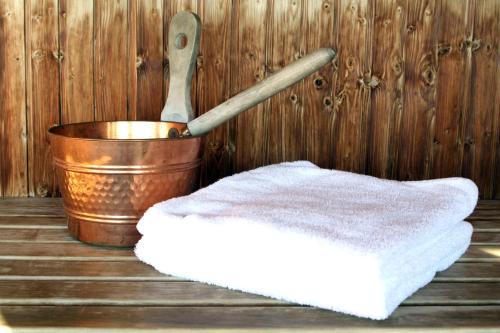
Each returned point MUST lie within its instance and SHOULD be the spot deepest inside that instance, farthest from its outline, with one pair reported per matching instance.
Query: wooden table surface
(52, 283)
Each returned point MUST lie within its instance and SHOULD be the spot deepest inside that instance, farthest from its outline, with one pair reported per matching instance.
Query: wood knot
(469, 43)
(319, 82)
(58, 55)
(475, 44)
(488, 48)
(294, 98)
(429, 76)
(327, 102)
(38, 55)
(326, 5)
(350, 62)
(410, 28)
(260, 73)
(444, 49)
(250, 55)
(396, 65)
(369, 81)
(42, 190)
(139, 61)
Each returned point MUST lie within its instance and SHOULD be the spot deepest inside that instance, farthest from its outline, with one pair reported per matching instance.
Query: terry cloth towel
(326, 238)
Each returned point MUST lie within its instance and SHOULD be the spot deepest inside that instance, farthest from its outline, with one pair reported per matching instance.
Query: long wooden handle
(266, 88)
(183, 45)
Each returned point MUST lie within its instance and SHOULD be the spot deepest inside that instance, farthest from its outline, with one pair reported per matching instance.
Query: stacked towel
(331, 239)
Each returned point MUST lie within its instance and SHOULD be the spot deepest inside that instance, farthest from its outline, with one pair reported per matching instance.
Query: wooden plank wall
(414, 92)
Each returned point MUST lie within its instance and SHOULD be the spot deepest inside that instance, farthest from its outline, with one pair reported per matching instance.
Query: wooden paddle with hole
(183, 45)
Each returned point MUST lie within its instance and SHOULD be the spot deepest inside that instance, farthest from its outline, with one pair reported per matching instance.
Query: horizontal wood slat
(61, 251)
(248, 319)
(55, 222)
(31, 207)
(173, 293)
(59, 234)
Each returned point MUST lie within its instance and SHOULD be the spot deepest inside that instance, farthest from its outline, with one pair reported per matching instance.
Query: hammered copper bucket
(109, 173)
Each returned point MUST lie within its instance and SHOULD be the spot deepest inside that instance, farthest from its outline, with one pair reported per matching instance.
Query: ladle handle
(266, 88)
(183, 45)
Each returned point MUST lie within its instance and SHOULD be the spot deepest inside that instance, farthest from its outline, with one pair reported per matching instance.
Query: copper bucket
(109, 173)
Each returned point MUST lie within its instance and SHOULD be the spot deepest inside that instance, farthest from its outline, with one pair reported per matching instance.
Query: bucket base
(111, 234)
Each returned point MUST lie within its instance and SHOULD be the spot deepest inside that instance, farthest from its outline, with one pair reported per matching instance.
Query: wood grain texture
(482, 123)
(13, 157)
(110, 59)
(41, 235)
(454, 67)
(213, 85)
(32, 222)
(352, 83)
(42, 48)
(149, 60)
(387, 81)
(248, 66)
(419, 106)
(286, 118)
(81, 270)
(174, 293)
(63, 251)
(319, 118)
(31, 207)
(467, 319)
(76, 24)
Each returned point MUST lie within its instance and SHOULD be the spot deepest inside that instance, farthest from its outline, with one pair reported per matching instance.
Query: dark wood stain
(413, 93)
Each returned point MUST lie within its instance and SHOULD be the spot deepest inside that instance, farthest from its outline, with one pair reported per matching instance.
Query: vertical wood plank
(318, 102)
(455, 28)
(172, 7)
(213, 84)
(43, 91)
(132, 60)
(76, 26)
(149, 60)
(418, 118)
(496, 177)
(248, 66)
(286, 108)
(13, 152)
(482, 125)
(352, 83)
(110, 60)
(388, 81)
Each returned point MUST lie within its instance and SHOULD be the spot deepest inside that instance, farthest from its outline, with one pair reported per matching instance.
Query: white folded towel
(326, 238)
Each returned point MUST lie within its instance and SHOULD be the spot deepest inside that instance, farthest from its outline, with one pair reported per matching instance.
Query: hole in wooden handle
(181, 41)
